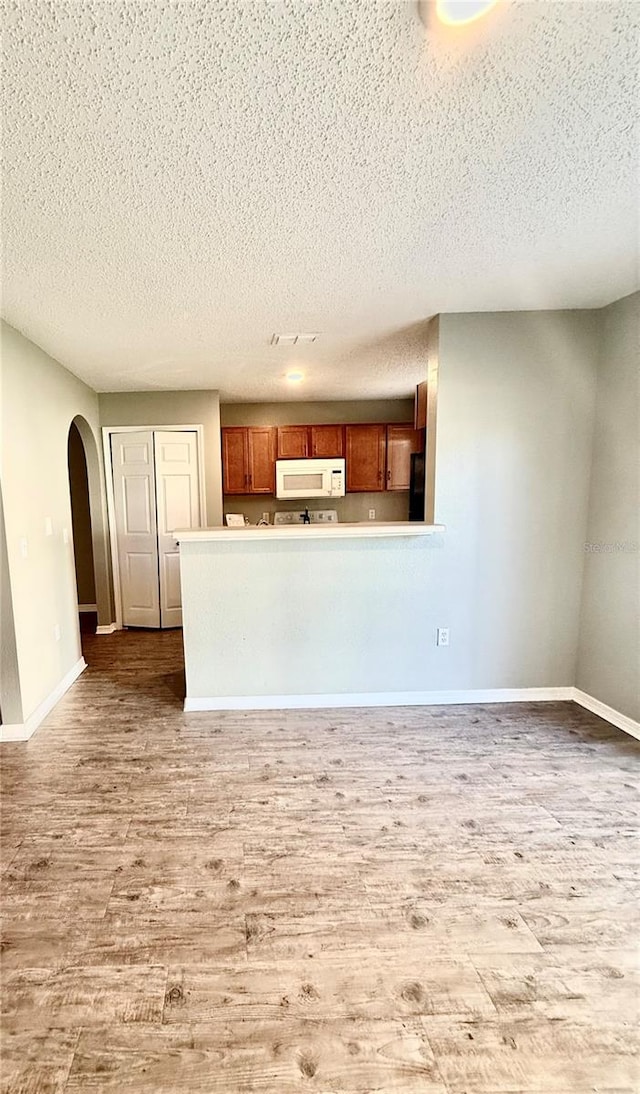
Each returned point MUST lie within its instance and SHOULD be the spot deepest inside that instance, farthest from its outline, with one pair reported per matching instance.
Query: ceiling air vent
(293, 339)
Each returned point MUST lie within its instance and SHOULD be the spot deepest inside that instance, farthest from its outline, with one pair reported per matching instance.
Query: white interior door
(136, 527)
(178, 506)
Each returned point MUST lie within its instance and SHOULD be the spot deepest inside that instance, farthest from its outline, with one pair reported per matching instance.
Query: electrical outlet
(443, 636)
(56, 632)
(372, 514)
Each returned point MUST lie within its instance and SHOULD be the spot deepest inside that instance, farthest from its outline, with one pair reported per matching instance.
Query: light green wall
(609, 649)
(39, 401)
(319, 413)
(515, 419)
(151, 408)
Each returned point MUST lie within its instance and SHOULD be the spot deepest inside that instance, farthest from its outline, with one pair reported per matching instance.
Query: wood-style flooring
(440, 900)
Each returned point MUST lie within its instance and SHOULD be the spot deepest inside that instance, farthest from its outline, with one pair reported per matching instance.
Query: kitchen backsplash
(353, 507)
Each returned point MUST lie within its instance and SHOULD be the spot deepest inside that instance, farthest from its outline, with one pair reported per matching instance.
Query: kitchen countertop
(361, 530)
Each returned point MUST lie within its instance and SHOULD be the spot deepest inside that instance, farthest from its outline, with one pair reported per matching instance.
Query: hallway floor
(440, 900)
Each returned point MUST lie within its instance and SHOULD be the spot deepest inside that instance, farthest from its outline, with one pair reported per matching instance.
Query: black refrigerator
(416, 487)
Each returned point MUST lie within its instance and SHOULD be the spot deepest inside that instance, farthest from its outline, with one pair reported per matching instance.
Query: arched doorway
(82, 530)
(90, 541)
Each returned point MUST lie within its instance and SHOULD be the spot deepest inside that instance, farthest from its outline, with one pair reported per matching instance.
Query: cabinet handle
(389, 475)
(249, 480)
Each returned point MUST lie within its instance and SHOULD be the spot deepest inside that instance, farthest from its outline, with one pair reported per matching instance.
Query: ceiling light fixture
(295, 377)
(458, 13)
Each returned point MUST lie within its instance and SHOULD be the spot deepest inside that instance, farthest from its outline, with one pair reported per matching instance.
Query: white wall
(39, 401)
(609, 649)
(515, 419)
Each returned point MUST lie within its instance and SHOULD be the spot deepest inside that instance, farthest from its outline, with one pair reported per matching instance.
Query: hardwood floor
(440, 900)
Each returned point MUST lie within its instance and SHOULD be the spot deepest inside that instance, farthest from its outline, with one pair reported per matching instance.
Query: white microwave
(310, 478)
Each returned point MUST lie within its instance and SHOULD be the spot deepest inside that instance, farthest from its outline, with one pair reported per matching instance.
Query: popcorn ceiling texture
(184, 179)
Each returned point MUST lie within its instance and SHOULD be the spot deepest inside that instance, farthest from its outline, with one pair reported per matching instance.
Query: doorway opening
(82, 532)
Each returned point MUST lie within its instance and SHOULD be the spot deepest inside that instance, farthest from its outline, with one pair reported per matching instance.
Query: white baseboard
(621, 721)
(107, 628)
(87, 607)
(22, 731)
(417, 698)
(380, 699)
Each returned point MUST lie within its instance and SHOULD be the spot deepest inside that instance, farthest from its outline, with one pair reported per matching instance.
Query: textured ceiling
(182, 180)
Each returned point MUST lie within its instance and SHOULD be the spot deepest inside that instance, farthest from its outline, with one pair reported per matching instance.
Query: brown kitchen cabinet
(248, 459)
(402, 441)
(366, 457)
(326, 441)
(297, 442)
(420, 406)
(293, 442)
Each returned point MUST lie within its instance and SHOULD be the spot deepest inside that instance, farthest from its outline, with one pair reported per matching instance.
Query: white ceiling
(182, 180)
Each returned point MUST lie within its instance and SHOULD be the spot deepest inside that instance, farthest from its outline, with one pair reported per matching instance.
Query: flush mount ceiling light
(295, 377)
(455, 13)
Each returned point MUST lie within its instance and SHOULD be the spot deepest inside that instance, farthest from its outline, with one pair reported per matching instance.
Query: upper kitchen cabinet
(365, 453)
(420, 406)
(235, 475)
(402, 441)
(248, 459)
(262, 459)
(326, 441)
(293, 442)
(297, 442)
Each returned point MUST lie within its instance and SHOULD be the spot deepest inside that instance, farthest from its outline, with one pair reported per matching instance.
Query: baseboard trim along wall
(380, 699)
(621, 721)
(107, 628)
(22, 731)
(87, 607)
(416, 698)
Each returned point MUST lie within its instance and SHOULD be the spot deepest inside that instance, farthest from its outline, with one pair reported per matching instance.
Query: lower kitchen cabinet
(366, 457)
(248, 459)
(402, 441)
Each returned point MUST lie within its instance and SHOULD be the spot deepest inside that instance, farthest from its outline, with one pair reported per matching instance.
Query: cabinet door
(402, 440)
(327, 440)
(293, 442)
(420, 406)
(261, 449)
(235, 474)
(366, 449)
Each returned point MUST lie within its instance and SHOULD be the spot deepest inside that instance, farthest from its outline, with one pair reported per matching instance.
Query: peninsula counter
(303, 616)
